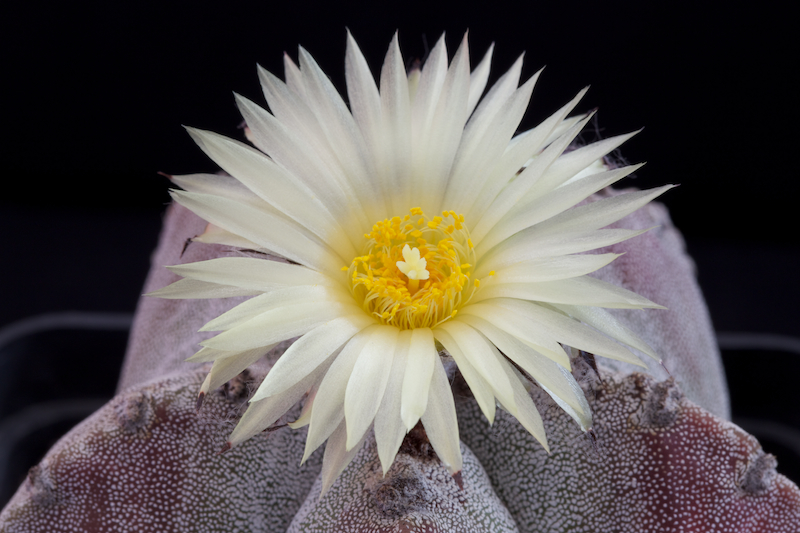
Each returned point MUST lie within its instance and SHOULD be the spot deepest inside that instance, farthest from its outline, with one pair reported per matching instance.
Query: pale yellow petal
(309, 351)
(422, 357)
(478, 351)
(440, 422)
(328, 413)
(480, 388)
(389, 429)
(368, 381)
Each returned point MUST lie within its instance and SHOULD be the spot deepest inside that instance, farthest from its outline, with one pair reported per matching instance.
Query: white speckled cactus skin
(660, 463)
(147, 462)
(664, 459)
(417, 494)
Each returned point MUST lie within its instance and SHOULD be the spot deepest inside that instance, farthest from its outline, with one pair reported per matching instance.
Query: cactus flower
(397, 236)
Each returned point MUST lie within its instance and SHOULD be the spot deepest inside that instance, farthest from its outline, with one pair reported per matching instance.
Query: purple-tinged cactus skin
(659, 463)
(656, 266)
(663, 457)
(148, 462)
(164, 332)
(417, 495)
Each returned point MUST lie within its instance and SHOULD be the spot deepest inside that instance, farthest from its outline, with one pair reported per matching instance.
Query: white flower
(413, 229)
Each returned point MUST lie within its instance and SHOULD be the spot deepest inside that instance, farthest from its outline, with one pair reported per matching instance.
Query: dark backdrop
(94, 95)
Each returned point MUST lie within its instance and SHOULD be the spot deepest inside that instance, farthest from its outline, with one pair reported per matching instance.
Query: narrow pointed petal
(195, 289)
(295, 115)
(485, 138)
(567, 330)
(395, 152)
(337, 456)
(365, 101)
(218, 184)
(440, 422)
(529, 213)
(309, 351)
(525, 410)
(520, 150)
(431, 81)
(228, 368)
(545, 371)
(527, 179)
(575, 291)
(305, 414)
(422, 357)
(276, 186)
(575, 161)
(500, 92)
(294, 79)
(329, 413)
(552, 268)
(280, 298)
(217, 235)
(368, 381)
(538, 338)
(582, 416)
(206, 355)
(262, 228)
(243, 312)
(598, 214)
(478, 79)
(326, 179)
(252, 273)
(284, 323)
(605, 322)
(477, 349)
(525, 246)
(389, 428)
(439, 150)
(568, 122)
(480, 388)
(262, 414)
(342, 133)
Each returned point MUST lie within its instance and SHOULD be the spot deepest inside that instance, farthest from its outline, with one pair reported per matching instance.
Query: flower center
(415, 271)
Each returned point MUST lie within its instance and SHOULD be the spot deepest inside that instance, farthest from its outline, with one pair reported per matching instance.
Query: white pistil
(414, 267)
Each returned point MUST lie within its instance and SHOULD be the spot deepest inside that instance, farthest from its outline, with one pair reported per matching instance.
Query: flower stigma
(415, 271)
(413, 267)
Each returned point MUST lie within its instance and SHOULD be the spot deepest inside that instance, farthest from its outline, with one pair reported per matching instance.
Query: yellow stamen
(415, 278)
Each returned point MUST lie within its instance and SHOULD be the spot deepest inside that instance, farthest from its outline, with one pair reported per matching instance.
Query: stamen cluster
(389, 295)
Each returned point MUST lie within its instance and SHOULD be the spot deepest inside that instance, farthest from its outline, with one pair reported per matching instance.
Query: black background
(95, 92)
(94, 95)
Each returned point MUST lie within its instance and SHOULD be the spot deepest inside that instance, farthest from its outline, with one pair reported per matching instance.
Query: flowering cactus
(148, 460)
(406, 350)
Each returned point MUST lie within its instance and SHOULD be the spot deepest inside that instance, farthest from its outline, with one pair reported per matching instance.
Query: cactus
(147, 462)
(661, 456)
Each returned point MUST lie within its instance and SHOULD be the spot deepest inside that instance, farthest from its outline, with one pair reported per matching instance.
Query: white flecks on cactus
(416, 495)
(147, 462)
(655, 462)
